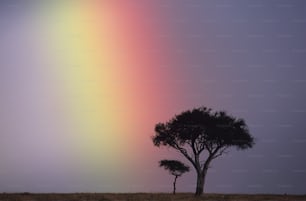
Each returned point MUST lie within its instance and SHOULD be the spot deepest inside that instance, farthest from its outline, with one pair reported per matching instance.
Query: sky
(83, 83)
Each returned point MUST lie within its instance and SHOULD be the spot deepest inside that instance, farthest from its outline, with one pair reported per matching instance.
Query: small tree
(202, 135)
(176, 168)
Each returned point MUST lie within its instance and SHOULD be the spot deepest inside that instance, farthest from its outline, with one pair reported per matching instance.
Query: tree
(202, 135)
(176, 168)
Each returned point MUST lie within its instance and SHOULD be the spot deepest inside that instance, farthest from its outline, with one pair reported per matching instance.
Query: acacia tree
(202, 135)
(176, 168)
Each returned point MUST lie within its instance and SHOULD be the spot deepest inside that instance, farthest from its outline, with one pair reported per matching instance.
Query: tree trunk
(200, 182)
(174, 187)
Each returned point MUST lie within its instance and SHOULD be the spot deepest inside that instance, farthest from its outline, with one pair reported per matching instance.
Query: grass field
(145, 197)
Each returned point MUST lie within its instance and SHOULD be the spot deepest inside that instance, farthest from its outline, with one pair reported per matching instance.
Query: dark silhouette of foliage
(196, 132)
(176, 168)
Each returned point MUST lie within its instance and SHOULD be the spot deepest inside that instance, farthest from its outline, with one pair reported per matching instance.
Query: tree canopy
(174, 167)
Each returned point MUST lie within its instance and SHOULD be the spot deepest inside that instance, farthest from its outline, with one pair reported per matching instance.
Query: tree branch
(193, 146)
(185, 153)
(222, 151)
(212, 155)
(208, 148)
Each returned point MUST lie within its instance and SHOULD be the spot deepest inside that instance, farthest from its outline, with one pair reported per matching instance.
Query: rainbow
(110, 86)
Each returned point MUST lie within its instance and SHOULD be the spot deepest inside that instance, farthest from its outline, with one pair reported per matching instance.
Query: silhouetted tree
(196, 132)
(176, 168)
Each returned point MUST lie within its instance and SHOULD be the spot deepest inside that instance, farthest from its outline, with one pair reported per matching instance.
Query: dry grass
(146, 197)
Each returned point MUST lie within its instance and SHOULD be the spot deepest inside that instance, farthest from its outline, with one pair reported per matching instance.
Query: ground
(145, 197)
